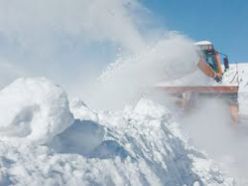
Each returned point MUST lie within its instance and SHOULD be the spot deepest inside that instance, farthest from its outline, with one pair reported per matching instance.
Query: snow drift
(140, 145)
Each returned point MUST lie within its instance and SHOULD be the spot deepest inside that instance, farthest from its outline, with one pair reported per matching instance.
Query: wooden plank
(200, 89)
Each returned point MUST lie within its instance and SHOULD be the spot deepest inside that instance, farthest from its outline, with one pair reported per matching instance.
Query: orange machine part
(218, 60)
(205, 68)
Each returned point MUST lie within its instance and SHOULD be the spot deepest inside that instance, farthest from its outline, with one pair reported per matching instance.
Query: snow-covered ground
(47, 140)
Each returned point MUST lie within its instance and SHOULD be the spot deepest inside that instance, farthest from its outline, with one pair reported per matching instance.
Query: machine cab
(210, 56)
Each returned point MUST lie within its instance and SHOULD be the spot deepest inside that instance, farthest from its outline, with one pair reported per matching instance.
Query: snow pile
(33, 110)
(140, 145)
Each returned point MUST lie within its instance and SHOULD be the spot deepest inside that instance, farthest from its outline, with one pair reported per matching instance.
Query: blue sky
(224, 22)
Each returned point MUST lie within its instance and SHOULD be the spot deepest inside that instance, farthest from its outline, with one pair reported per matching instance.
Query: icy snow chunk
(88, 138)
(82, 137)
(33, 110)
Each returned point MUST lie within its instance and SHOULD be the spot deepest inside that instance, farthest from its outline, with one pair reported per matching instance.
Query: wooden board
(200, 89)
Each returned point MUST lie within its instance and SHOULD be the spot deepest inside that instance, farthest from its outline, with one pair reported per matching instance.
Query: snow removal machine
(215, 67)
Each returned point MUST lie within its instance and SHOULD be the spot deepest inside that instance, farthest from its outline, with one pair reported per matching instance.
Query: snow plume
(130, 77)
(209, 124)
(209, 127)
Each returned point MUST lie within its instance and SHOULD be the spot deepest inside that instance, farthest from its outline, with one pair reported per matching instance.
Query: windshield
(210, 59)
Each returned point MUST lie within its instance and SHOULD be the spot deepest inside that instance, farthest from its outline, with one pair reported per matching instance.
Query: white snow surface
(44, 142)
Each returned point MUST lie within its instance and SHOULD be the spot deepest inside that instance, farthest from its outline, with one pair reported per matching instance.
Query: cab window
(211, 60)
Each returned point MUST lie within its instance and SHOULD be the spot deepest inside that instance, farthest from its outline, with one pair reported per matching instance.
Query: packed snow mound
(140, 145)
(33, 110)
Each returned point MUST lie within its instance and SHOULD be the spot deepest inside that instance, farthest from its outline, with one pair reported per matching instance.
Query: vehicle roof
(203, 43)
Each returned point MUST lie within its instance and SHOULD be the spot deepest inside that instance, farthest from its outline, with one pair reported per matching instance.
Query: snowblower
(211, 65)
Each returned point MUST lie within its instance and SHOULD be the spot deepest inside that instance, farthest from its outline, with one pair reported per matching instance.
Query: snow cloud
(210, 128)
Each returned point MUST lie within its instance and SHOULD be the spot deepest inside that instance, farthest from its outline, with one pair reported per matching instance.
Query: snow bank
(33, 110)
(140, 145)
(243, 89)
(238, 75)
